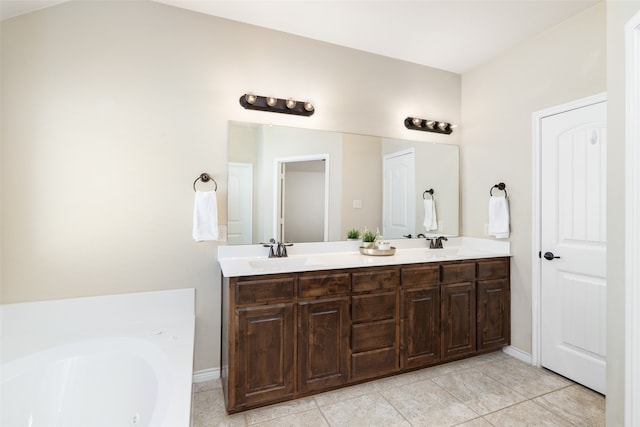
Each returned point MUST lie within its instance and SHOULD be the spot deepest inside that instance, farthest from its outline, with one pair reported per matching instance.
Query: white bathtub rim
(162, 319)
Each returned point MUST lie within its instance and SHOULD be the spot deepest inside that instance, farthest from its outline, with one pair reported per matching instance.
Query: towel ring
(500, 186)
(204, 177)
(430, 191)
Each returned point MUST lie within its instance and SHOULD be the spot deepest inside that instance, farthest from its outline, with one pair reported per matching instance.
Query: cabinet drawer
(375, 280)
(494, 268)
(423, 275)
(374, 363)
(458, 272)
(367, 308)
(319, 285)
(272, 289)
(369, 336)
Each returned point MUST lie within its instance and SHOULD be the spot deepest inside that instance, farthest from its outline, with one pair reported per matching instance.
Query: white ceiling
(452, 35)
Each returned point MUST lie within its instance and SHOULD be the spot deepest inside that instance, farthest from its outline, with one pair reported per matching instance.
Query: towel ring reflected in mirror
(429, 191)
(205, 177)
(500, 186)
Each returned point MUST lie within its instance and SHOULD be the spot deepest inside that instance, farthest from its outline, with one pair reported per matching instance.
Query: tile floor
(484, 391)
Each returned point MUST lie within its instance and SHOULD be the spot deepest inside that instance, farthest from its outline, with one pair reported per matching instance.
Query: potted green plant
(369, 238)
(353, 234)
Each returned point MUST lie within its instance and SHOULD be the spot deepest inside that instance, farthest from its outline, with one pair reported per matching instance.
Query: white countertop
(251, 260)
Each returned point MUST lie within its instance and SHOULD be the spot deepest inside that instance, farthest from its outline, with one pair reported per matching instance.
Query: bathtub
(120, 360)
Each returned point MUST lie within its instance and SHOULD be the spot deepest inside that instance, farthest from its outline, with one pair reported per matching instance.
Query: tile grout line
(396, 409)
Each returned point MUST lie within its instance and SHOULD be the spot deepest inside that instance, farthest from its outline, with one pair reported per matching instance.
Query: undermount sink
(272, 263)
(444, 252)
(455, 251)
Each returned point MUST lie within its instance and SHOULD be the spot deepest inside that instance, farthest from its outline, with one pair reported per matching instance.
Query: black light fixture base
(436, 127)
(280, 105)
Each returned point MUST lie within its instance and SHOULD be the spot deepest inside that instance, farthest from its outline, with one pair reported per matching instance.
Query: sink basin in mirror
(333, 182)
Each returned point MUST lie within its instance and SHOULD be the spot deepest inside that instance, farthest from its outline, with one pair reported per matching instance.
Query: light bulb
(442, 125)
(291, 103)
(271, 101)
(308, 106)
(431, 124)
(250, 98)
(416, 122)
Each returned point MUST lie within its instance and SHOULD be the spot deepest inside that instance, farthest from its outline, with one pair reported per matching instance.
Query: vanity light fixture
(416, 123)
(276, 105)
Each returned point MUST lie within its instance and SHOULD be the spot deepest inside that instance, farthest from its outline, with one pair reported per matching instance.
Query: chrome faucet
(436, 243)
(270, 246)
(280, 251)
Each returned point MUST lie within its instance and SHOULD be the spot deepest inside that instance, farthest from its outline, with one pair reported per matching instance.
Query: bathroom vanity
(311, 323)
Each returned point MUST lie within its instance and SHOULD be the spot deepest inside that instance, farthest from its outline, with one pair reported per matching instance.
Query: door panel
(458, 311)
(493, 314)
(398, 194)
(265, 353)
(573, 300)
(323, 342)
(240, 204)
(420, 327)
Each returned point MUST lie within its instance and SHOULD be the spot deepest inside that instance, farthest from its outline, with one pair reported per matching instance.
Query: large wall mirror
(302, 185)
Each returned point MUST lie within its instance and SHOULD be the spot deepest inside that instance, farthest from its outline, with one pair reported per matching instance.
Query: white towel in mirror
(205, 216)
(499, 217)
(430, 217)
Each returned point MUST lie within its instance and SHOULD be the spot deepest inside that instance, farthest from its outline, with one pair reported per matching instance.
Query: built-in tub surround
(124, 360)
(251, 260)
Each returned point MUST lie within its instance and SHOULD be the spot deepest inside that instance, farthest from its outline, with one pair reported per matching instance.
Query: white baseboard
(518, 354)
(206, 375)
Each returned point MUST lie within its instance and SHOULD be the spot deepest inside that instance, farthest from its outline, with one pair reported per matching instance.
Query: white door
(398, 197)
(574, 240)
(303, 196)
(302, 199)
(240, 204)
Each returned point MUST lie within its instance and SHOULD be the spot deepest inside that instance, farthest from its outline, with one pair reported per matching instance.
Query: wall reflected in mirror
(301, 185)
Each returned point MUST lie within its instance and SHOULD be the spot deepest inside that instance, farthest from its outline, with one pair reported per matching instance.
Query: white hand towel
(430, 217)
(205, 216)
(499, 217)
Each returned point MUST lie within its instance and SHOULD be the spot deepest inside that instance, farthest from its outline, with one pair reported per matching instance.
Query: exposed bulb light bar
(425, 125)
(276, 105)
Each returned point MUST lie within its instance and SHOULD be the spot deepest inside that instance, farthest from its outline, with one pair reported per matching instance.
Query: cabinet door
(265, 350)
(420, 327)
(458, 320)
(323, 343)
(493, 314)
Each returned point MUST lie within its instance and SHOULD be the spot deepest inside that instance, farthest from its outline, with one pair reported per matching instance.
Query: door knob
(549, 256)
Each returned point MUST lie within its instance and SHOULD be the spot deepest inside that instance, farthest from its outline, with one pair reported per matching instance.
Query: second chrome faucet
(436, 242)
(280, 251)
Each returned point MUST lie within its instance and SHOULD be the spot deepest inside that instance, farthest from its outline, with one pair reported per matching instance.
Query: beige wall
(566, 62)
(110, 110)
(361, 183)
(618, 13)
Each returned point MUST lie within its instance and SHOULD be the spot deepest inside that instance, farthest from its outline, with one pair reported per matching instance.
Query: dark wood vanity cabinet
(374, 343)
(458, 309)
(262, 333)
(493, 308)
(265, 350)
(323, 331)
(420, 316)
(291, 335)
